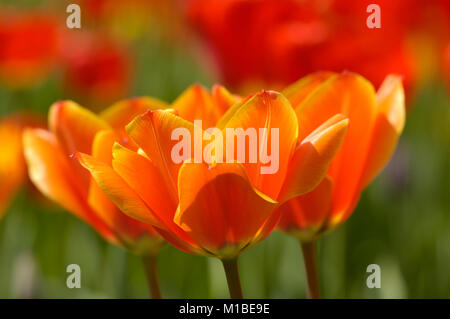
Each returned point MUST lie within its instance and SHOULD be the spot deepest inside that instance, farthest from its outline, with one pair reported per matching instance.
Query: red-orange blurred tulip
(62, 179)
(12, 163)
(29, 47)
(446, 68)
(222, 208)
(376, 121)
(277, 41)
(96, 69)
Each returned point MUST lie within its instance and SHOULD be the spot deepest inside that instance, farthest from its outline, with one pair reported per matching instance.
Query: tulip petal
(12, 164)
(312, 157)
(354, 97)
(152, 132)
(267, 110)
(50, 171)
(127, 228)
(305, 215)
(223, 99)
(74, 126)
(196, 103)
(297, 92)
(231, 112)
(145, 179)
(219, 207)
(118, 191)
(388, 127)
(121, 113)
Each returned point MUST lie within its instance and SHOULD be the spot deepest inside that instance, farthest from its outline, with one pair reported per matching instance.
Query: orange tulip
(376, 122)
(60, 177)
(222, 208)
(12, 163)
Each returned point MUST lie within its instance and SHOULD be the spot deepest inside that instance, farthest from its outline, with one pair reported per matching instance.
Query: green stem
(150, 264)
(233, 280)
(309, 257)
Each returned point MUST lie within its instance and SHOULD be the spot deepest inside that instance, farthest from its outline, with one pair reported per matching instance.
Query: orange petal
(50, 171)
(388, 127)
(118, 191)
(12, 164)
(152, 131)
(122, 112)
(312, 157)
(304, 216)
(196, 103)
(129, 230)
(74, 126)
(223, 99)
(219, 208)
(269, 110)
(231, 111)
(145, 179)
(297, 92)
(75, 129)
(354, 97)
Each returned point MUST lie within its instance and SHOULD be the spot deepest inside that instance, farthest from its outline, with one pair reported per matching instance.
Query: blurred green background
(402, 222)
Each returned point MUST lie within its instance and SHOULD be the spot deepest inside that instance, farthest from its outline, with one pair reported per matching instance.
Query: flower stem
(309, 257)
(150, 264)
(233, 280)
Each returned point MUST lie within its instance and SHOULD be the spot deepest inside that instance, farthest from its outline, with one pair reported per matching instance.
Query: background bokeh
(402, 222)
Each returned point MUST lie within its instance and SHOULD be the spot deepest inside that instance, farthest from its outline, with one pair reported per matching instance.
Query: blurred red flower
(278, 41)
(447, 64)
(96, 68)
(29, 47)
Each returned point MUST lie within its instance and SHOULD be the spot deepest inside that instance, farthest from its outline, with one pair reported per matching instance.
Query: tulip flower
(218, 208)
(61, 178)
(275, 42)
(29, 47)
(376, 122)
(12, 163)
(446, 68)
(96, 68)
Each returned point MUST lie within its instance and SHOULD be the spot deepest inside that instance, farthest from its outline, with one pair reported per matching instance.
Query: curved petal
(388, 127)
(152, 132)
(223, 99)
(118, 191)
(127, 228)
(304, 216)
(354, 97)
(196, 103)
(145, 179)
(312, 157)
(50, 171)
(12, 164)
(231, 111)
(297, 92)
(271, 111)
(219, 207)
(121, 113)
(75, 127)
